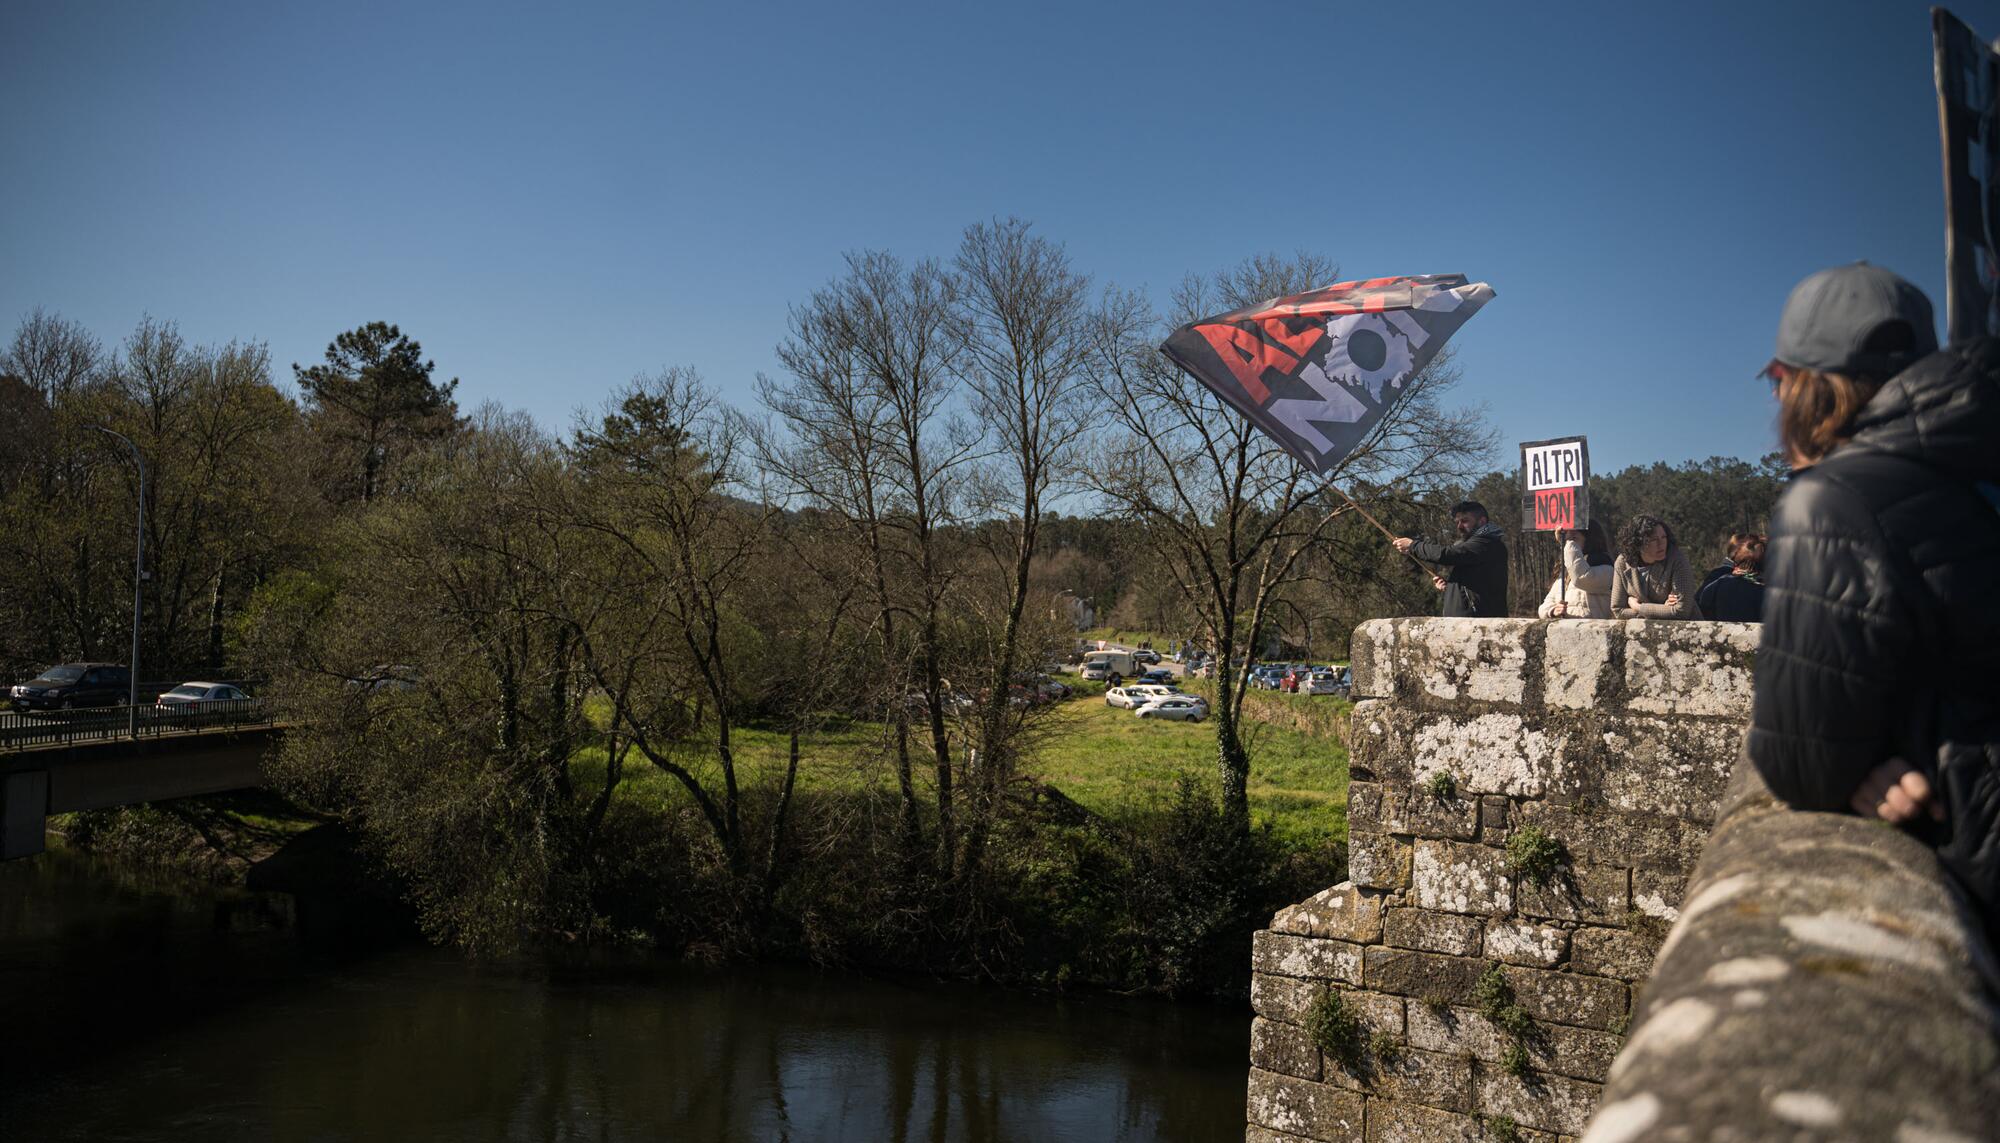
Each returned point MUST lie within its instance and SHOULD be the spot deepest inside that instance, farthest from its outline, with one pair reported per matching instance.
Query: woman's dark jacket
(1732, 598)
(1882, 610)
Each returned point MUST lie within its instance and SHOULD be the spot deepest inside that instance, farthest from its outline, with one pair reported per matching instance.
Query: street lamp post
(138, 584)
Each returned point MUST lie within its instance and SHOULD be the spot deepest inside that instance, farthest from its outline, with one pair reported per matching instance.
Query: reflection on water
(143, 1011)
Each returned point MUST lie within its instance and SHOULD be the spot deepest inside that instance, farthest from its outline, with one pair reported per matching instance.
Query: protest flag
(1317, 371)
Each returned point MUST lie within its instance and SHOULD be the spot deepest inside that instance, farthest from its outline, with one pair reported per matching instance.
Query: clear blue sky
(553, 200)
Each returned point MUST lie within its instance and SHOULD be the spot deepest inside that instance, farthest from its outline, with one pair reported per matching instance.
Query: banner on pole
(1968, 84)
(1317, 371)
(1555, 484)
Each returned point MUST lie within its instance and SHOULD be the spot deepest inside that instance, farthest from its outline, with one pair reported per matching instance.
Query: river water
(147, 1008)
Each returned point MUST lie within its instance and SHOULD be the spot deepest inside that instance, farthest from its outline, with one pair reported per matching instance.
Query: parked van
(1113, 667)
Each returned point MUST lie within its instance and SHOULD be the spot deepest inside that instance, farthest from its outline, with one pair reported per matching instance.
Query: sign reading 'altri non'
(1555, 484)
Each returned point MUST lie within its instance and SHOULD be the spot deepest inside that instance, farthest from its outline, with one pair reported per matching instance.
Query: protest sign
(1555, 484)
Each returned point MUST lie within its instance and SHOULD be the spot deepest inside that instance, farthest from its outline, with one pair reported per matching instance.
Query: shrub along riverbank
(1111, 865)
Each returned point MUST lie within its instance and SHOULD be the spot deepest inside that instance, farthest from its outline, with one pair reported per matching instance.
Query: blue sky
(553, 200)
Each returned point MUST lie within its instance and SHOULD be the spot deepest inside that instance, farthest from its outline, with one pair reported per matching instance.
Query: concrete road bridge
(66, 761)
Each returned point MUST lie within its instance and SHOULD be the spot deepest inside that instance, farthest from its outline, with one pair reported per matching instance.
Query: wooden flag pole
(1393, 537)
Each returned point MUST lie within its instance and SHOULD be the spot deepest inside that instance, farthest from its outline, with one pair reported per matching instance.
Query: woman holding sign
(1582, 587)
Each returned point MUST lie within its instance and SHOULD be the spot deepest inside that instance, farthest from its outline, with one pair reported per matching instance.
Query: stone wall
(1824, 981)
(1528, 799)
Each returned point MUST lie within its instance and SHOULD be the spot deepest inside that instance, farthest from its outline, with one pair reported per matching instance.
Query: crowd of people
(1880, 635)
(1648, 576)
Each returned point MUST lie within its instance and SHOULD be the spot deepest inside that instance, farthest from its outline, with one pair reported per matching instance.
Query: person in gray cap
(1878, 671)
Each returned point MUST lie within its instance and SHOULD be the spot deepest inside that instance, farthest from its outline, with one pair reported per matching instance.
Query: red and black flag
(1317, 370)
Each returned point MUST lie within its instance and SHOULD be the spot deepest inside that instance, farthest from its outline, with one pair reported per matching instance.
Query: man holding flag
(1475, 579)
(1318, 372)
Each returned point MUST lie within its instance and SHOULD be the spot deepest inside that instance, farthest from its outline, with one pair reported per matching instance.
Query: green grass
(1104, 758)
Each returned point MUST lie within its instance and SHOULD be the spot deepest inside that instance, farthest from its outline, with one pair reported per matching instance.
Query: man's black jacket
(1882, 610)
(1475, 571)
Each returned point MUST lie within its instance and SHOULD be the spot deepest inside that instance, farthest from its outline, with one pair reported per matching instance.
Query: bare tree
(870, 439)
(1028, 347)
(1226, 511)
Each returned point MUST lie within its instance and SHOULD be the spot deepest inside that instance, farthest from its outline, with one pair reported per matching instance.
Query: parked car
(1185, 708)
(189, 697)
(1146, 655)
(1325, 683)
(73, 685)
(1266, 678)
(1050, 689)
(1136, 695)
(1158, 675)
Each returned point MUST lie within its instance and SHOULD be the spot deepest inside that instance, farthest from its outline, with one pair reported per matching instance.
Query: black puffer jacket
(1882, 610)
(1475, 571)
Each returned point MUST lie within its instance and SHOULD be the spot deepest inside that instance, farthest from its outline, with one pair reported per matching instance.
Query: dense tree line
(498, 642)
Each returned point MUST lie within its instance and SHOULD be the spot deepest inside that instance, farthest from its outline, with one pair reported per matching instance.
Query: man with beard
(1475, 579)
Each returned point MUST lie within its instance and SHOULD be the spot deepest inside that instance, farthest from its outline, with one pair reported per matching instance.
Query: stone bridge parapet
(1529, 803)
(1528, 799)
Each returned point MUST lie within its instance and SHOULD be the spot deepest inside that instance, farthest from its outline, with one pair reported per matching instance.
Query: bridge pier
(24, 813)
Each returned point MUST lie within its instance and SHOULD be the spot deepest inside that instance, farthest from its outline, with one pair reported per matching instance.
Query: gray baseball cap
(1855, 319)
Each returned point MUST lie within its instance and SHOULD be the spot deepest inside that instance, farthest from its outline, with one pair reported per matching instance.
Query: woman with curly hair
(1652, 578)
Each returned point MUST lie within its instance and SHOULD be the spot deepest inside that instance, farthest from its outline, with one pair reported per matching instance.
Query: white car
(1137, 695)
(1324, 683)
(190, 697)
(1186, 708)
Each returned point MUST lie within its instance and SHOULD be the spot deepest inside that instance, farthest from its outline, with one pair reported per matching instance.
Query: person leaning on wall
(1877, 664)
(1652, 578)
(1735, 592)
(1582, 587)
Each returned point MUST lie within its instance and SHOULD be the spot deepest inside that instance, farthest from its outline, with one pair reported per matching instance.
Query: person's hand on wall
(1674, 599)
(1895, 792)
(1560, 611)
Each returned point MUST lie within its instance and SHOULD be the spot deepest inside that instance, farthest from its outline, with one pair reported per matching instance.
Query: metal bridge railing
(22, 729)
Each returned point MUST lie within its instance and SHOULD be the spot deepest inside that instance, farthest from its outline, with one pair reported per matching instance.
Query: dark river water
(141, 1008)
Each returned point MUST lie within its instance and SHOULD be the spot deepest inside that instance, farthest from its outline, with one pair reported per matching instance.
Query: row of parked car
(75, 686)
(1303, 678)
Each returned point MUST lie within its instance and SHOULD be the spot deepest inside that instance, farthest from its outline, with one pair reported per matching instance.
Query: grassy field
(1101, 757)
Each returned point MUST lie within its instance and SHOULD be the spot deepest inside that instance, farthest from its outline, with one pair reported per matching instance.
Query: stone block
(1657, 895)
(1283, 1048)
(1404, 809)
(1307, 958)
(1378, 1011)
(1609, 838)
(1458, 878)
(1374, 748)
(1526, 943)
(1391, 1122)
(1576, 1052)
(1424, 976)
(1488, 754)
(1568, 997)
(1592, 893)
(1374, 659)
(1378, 862)
(1283, 998)
(1690, 669)
(1343, 912)
(1494, 812)
(1619, 953)
(1580, 663)
(1546, 1102)
(1419, 929)
(1257, 1134)
(1454, 661)
(1424, 1077)
(1673, 767)
(1301, 1107)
